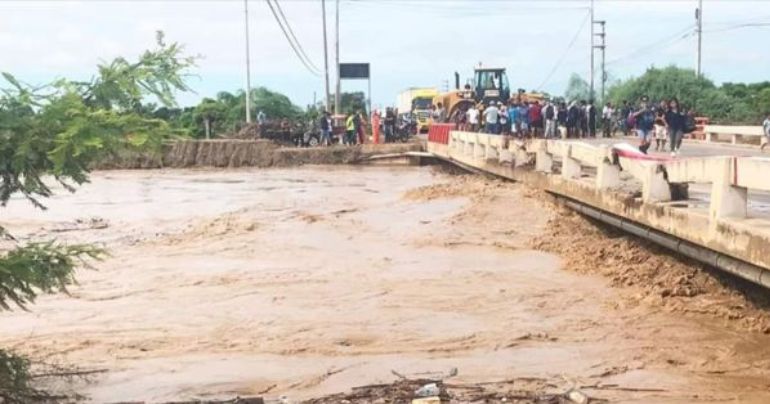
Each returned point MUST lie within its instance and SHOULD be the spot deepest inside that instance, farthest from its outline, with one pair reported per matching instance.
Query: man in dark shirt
(389, 124)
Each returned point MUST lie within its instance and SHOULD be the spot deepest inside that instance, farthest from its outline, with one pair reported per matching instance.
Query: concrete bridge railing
(736, 134)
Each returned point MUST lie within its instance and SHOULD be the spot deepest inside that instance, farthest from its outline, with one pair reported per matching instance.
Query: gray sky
(408, 42)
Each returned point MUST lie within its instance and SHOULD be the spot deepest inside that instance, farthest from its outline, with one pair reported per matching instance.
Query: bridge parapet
(736, 134)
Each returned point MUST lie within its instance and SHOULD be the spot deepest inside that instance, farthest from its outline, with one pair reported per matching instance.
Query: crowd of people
(665, 123)
(383, 127)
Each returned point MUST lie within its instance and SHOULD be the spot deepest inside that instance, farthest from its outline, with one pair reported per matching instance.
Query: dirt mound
(651, 274)
(248, 131)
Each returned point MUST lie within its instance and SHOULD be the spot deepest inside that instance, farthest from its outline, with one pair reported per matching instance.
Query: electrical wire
(663, 42)
(738, 26)
(291, 43)
(564, 55)
(291, 32)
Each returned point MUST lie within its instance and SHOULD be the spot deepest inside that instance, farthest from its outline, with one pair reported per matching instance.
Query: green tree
(577, 89)
(58, 130)
(732, 103)
(208, 112)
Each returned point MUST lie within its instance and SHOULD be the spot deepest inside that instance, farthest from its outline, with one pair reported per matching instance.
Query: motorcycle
(405, 128)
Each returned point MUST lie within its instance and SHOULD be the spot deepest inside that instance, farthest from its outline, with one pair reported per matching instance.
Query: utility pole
(337, 57)
(327, 100)
(602, 35)
(699, 30)
(591, 71)
(248, 63)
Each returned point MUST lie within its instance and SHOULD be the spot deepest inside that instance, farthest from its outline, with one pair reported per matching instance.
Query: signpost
(358, 71)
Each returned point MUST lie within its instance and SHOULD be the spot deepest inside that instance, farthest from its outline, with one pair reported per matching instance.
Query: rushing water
(313, 280)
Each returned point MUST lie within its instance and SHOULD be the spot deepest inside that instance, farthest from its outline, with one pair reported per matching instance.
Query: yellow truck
(415, 102)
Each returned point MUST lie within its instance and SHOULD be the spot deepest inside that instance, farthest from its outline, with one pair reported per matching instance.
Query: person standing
(591, 118)
(536, 118)
(583, 119)
(766, 129)
(326, 128)
(490, 118)
(607, 113)
(350, 129)
(675, 123)
(524, 119)
(573, 119)
(360, 128)
(561, 120)
(644, 120)
(549, 114)
(376, 127)
(513, 118)
(660, 130)
(503, 126)
(472, 118)
(390, 125)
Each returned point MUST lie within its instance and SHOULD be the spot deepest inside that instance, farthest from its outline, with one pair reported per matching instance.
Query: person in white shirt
(490, 118)
(766, 129)
(607, 113)
(472, 116)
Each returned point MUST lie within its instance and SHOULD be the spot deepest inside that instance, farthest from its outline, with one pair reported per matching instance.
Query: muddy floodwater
(309, 281)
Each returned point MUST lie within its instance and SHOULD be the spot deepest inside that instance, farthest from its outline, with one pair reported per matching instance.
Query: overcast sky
(408, 42)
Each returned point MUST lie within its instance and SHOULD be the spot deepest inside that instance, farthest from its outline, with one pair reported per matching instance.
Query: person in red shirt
(536, 118)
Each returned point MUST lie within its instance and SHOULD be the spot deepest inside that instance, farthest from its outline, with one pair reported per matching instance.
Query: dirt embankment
(650, 274)
(234, 153)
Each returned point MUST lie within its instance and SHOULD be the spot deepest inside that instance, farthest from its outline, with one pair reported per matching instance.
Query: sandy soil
(307, 282)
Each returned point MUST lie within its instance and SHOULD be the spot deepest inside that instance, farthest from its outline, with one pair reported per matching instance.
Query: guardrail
(736, 133)
(730, 177)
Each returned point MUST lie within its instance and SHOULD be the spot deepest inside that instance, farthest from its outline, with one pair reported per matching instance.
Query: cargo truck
(415, 103)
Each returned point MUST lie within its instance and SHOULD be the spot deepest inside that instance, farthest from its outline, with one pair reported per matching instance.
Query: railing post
(727, 200)
(479, 148)
(543, 160)
(570, 167)
(654, 185)
(607, 174)
(491, 152)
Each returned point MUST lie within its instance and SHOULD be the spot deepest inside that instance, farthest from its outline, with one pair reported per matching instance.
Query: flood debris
(524, 390)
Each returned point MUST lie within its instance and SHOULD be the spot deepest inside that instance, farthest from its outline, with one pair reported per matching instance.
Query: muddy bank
(307, 282)
(651, 275)
(234, 153)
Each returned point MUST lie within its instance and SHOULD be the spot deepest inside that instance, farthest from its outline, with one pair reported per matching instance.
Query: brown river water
(309, 281)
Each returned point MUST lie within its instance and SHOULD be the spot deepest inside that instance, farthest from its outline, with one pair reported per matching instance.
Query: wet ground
(306, 282)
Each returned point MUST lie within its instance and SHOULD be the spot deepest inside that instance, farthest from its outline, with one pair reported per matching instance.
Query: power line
(288, 38)
(291, 32)
(564, 55)
(739, 26)
(665, 42)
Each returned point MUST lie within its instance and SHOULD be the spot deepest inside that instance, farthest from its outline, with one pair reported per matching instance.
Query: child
(660, 131)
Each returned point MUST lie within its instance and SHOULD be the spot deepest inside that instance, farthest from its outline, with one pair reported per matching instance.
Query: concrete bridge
(712, 203)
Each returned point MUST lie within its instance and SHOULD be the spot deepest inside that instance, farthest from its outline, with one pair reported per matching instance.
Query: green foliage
(40, 267)
(227, 112)
(577, 89)
(63, 127)
(58, 130)
(352, 102)
(731, 103)
(14, 378)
